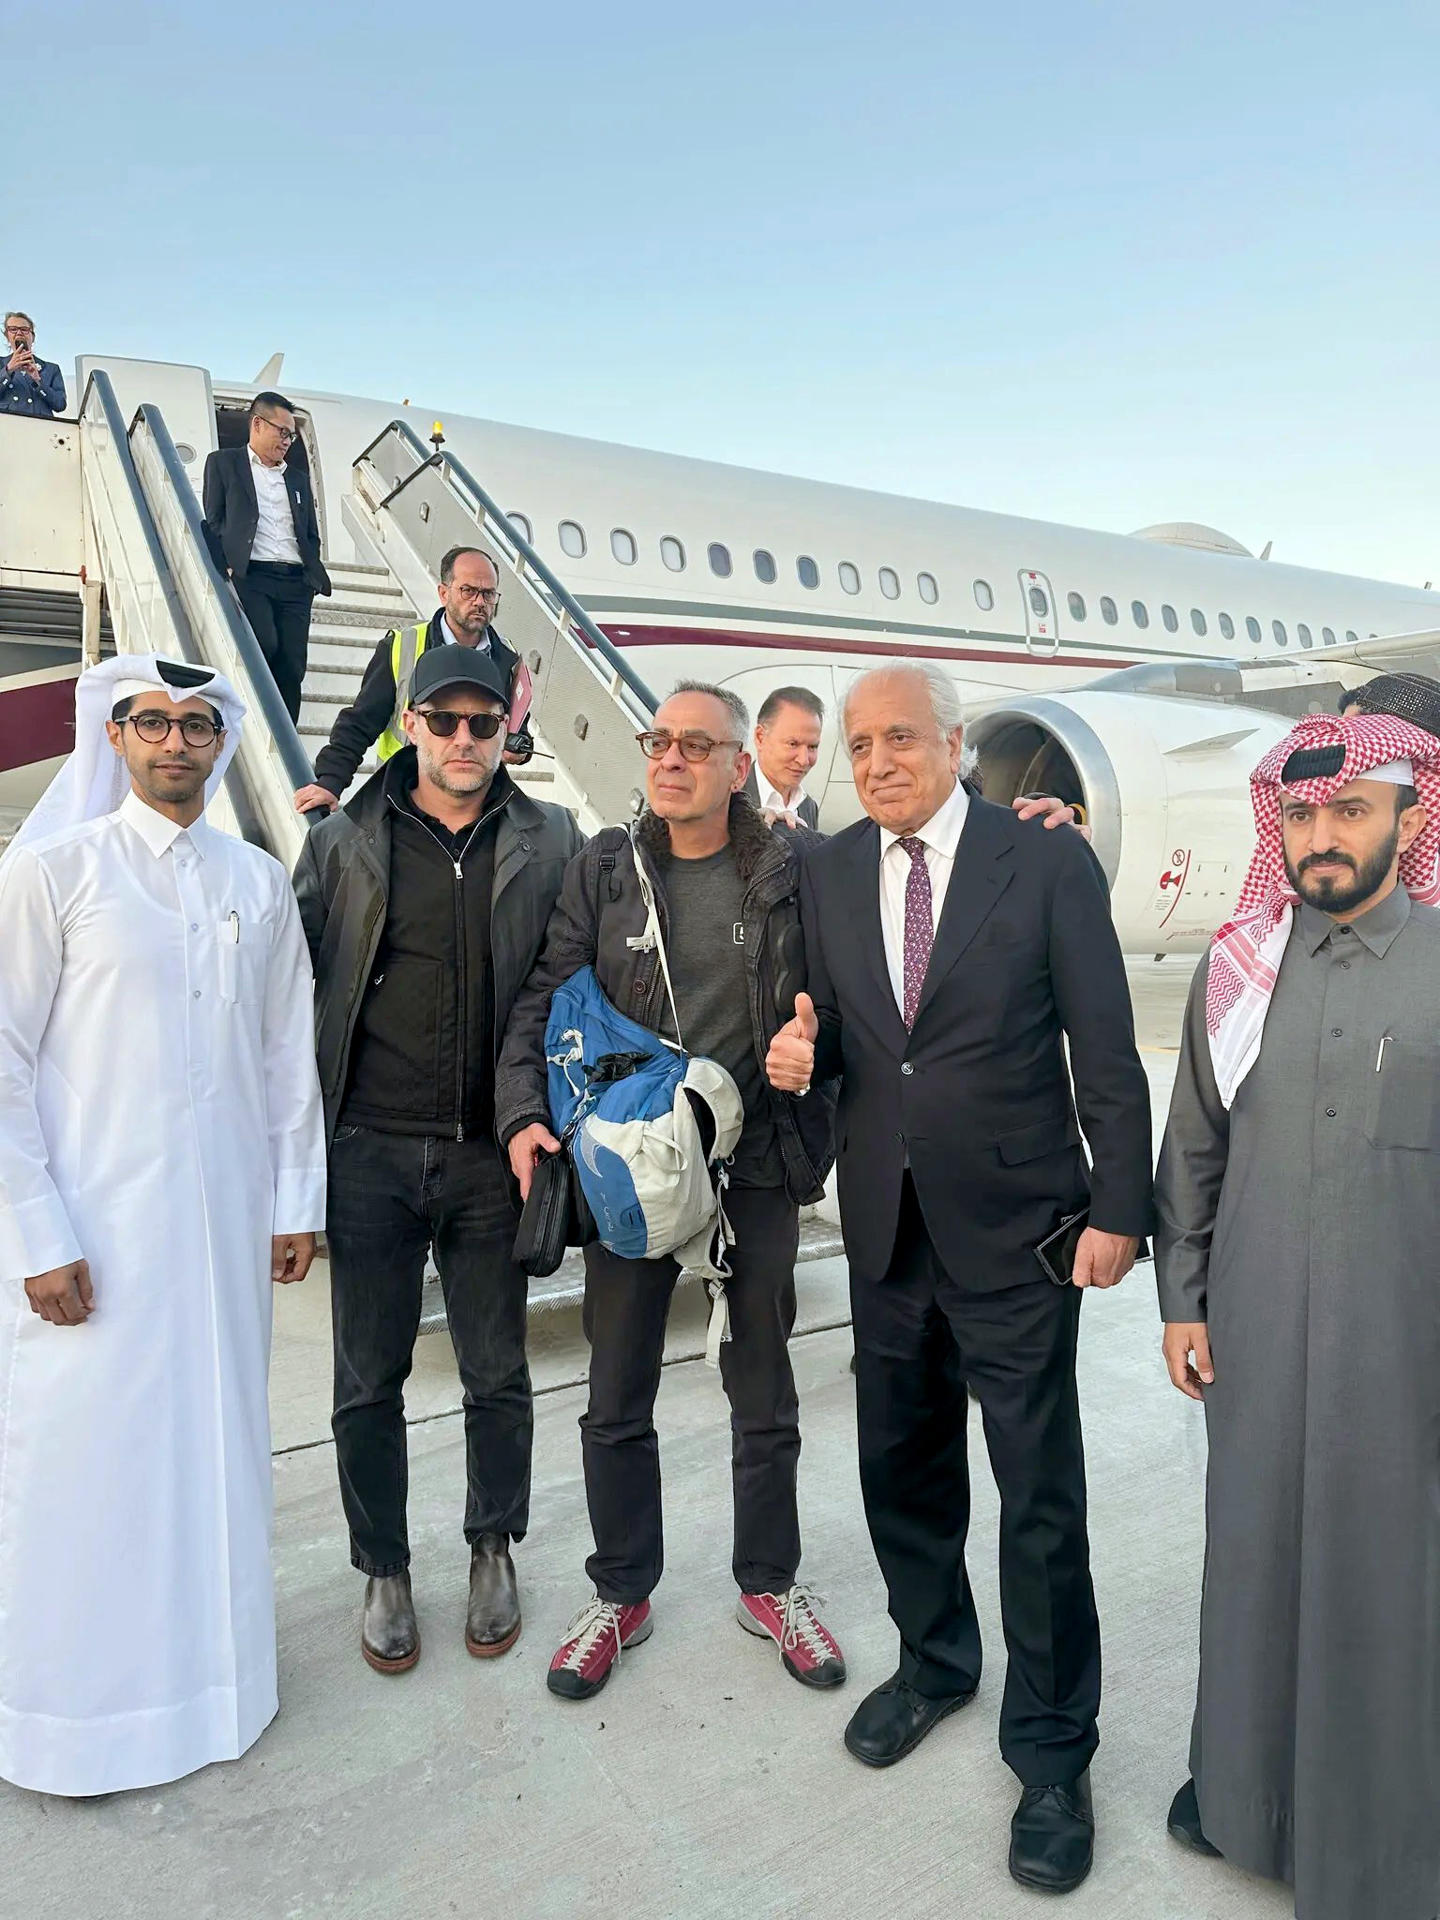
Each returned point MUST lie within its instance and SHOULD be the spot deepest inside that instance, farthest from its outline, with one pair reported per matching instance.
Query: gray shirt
(706, 949)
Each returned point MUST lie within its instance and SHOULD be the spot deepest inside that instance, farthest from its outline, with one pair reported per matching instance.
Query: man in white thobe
(162, 1161)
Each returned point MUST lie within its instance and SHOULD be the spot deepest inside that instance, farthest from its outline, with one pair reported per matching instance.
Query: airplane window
(672, 553)
(1139, 613)
(929, 592)
(1076, 604)
(719, 560)
(1227, 626)
(1171, 619)
(806, 571)
(765, 566)
(572, 539)
(889, 583)
(984, 598)
(1327, 634)
(1252, 627)
(1352, 638)
(1277, 627)
(622, 545)
(521, 526)
(1039, 601)
(1304, 635)
(1197, 621)
(1107, 610)
(849, 576)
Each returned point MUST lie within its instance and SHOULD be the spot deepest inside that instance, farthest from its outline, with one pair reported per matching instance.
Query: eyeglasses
(492, 594)
(693, 746)
(195, 729)
(287, 434)
(482, 726)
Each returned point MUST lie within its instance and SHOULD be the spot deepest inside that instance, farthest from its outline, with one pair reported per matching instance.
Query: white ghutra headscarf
(94, 780)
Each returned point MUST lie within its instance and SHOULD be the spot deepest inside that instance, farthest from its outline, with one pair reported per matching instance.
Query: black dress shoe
(894, 1719)
(1183, 1822)
(1052, 1836)
(492, 1618)
(389, 1636)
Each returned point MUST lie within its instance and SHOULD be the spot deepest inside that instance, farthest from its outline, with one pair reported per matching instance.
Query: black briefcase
(555, 1215)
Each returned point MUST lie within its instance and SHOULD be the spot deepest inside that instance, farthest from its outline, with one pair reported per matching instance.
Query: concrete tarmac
(703, 1781)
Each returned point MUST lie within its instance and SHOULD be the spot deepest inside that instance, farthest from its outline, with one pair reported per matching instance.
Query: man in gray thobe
(1298, 1256)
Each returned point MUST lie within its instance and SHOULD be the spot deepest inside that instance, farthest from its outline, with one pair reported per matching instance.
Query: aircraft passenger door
(1042, 624)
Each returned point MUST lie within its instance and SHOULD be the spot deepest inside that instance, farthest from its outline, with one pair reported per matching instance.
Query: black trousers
(920, 1341)
(627, 1303)
(392, 1196)
(277, 604)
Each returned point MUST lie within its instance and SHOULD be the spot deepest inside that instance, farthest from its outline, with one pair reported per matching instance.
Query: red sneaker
(593, 1643)
(791, 1619)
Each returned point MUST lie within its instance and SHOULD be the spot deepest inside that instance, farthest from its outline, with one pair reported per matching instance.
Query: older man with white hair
(951, 950)
(162, 1161)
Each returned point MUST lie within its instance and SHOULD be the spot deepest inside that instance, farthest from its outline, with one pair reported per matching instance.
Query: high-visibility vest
(406, 646)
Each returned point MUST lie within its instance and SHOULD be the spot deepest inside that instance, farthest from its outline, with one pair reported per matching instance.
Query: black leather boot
(389, 1636)
(492, 1620)
(1052, 1836)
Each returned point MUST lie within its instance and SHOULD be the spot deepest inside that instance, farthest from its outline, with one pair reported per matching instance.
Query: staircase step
(355, 566)
(349, 613)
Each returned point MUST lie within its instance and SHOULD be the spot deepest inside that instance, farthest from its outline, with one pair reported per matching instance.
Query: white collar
(257, 462)
(771, 796)
(157, 830)
(941, 831)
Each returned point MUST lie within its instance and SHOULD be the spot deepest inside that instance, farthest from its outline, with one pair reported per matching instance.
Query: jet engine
(1165, 787)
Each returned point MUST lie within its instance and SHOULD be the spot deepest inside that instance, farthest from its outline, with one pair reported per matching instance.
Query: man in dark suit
(261, 527)
(951, 949)
(787, 745)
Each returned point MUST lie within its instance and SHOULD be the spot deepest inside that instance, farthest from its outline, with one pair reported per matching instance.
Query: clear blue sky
(1108, 264)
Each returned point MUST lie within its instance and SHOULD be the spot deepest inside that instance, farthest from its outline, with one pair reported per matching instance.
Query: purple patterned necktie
(919, 926)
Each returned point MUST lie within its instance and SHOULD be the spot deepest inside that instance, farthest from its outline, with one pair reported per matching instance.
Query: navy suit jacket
(978, 1094)
(232, 515)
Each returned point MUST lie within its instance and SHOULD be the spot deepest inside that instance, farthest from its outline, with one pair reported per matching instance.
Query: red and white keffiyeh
(1245, 954)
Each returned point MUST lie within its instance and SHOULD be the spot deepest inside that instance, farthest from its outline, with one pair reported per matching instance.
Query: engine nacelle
(1166, 788)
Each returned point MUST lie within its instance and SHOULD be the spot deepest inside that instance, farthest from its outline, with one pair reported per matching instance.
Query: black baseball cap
(453, 666)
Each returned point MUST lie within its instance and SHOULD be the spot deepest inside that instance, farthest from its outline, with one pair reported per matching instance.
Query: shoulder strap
(652, 931)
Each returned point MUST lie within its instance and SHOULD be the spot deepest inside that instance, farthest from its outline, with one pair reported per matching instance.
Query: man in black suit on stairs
(951, 950)
(262, 531)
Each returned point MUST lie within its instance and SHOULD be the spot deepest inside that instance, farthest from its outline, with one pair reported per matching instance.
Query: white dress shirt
(771, 798)
(941, 835)
(275, 527)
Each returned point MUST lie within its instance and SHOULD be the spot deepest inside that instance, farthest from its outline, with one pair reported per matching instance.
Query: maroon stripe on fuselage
(36, 722)
(907, 645)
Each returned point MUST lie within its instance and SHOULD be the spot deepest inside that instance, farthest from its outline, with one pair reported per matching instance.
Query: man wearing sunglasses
(262, 531)
(424, 900)
(469, 597)
(727, 890)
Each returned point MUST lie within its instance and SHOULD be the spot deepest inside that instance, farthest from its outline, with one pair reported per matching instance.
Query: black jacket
(232, 515)
(358, 726)
(600, 909)
(342, 881)
(808, 811)
(977, 1093)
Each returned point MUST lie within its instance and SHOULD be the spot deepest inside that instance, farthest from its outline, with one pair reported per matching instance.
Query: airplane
(1139, 676)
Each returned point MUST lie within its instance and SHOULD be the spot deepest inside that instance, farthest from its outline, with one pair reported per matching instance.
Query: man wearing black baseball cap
(425, 899)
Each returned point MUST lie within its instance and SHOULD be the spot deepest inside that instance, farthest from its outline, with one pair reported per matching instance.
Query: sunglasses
(693, 746)
(444, 724)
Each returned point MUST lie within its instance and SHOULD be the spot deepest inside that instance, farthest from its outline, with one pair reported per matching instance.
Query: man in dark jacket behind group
(425, 900)
(727, 893)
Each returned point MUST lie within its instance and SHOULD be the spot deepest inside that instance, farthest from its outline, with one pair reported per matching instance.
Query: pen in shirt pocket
(1385, 1040)
(234, 929)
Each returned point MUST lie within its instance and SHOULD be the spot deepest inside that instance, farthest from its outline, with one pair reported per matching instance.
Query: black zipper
(461, 1036)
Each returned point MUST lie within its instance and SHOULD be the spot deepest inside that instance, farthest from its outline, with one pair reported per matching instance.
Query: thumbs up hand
(790, 1063)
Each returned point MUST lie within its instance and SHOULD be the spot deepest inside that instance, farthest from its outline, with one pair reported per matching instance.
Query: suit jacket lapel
(247, 480)
(870, 935)
(980, 874)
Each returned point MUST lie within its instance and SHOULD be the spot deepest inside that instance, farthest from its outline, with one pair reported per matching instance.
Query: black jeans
(920, 1341)
(277, 604)
(393, 1195)
(627, 1303)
